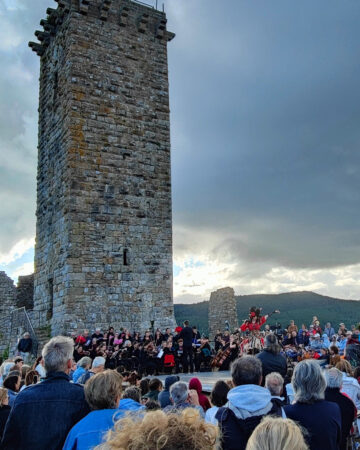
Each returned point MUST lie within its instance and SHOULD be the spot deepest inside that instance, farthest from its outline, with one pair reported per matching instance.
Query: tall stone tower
(103, 250)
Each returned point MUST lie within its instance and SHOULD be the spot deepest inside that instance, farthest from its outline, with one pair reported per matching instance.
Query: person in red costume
(253, 324)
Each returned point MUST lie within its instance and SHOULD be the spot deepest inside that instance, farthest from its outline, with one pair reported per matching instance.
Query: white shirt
(352, 389)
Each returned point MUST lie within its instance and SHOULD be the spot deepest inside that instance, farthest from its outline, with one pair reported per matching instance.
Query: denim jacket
(43, 414)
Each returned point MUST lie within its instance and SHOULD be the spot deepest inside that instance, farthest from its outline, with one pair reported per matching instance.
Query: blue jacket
(321, 419)
(128, 404)
(12, 396)
(164, 396)
(90, 431)
(44, 413)
(77, 374)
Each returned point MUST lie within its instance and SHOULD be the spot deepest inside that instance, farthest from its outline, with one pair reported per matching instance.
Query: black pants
(188, 359)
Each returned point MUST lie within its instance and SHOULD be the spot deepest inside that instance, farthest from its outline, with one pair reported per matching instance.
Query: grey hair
(132, 392)
(334, 378)
(274, 382)
(308, 382)
(246, 370)
(84, 361)
(179, 392)
(57, 353)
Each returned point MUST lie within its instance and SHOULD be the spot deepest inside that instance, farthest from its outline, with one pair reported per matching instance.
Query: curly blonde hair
(275, 433)
(159, 431)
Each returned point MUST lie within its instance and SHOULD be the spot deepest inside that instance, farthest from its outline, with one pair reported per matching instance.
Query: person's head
(179, 392)
(32, 377)
(26, 335)
(103, 390)
(13, 381)
(158, 430)
(246, 370)
(19, 361)
(334, 378)
(274, 382)
(308, 382)
(86, 333)
(132, 392)
(219, 392)
(133, 378)
(58, 354)
(24, 370)
(328, 325)
(272, 345)
(357, 372)
(152, 405)
(186, 323)
(144, 386)
(4, 397)
(97, 331)
(293, 334)
(98, 364)
(168, 331)
(277, 433)
(292, 322)
(155, 385)
(345, 367)
(84, 362)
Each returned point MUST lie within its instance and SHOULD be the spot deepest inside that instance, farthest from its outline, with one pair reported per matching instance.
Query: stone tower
(103, 252)
(222, 311)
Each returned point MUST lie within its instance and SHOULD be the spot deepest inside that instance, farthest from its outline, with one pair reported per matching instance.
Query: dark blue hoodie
(164, 396)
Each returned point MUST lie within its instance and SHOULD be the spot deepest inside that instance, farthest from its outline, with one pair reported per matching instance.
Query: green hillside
(300, 306)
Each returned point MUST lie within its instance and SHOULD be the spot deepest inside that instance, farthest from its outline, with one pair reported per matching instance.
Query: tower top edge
(125, 13)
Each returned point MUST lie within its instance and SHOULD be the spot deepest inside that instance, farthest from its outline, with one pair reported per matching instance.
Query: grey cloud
(265, 125)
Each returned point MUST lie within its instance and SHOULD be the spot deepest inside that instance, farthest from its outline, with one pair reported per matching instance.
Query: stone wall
(222, 309)
(103, 250)
(7, 304)
(25, 291)
(7, 295)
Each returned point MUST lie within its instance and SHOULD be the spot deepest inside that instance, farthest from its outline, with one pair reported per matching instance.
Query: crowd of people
(299, 390)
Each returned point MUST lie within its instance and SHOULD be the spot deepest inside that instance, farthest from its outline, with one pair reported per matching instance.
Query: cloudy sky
(265, 117)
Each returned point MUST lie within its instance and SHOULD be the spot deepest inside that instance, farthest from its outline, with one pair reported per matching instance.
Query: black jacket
(347, 410)
(272, 363)
(25, 345)
(186, 334)
(4, 414)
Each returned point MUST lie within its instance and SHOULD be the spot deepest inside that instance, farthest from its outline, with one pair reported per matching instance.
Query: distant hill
(300, 306)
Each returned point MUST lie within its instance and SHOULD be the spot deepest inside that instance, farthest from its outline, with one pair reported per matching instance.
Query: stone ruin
(103, 251)
(222, 311)
(11, 298)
